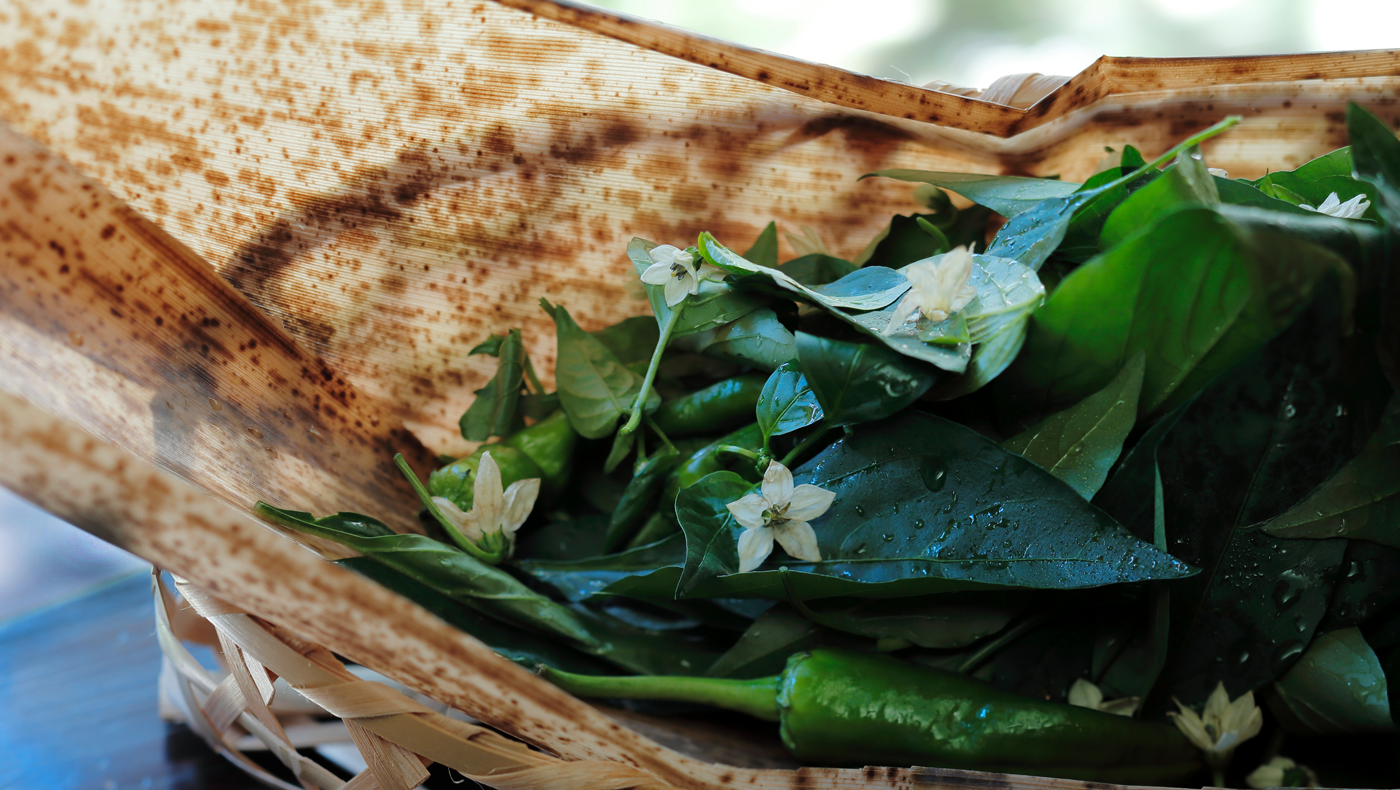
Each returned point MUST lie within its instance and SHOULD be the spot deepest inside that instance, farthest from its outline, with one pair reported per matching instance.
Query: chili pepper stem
(804, 446)
(639, 405)
(757, 698)
(737, 450)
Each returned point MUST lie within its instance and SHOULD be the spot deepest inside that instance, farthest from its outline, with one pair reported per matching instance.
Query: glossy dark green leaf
(764, 648)
(1195, 293)
(937, 621)
(524, 648)
(1257, 440)
(1080, 444)
(1375, 157)
(493, 413)
(1006, 195)
(1362, 500)
(645, 651)
(1338, 686)
(449, 571)
(1007, 293)
(1368, 582)
(909, 339)
(787, 403)
(1312, 183)
(713, 305)
(579, 578)
(904, 241)
(595, 389)
(918, 496)
(859, 382)
(988, 360)
(710, 546)
(764, 251)
(758, 340)
(564, 537)
(816, 269)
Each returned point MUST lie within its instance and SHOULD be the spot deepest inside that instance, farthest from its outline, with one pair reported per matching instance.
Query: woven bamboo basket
(244, 245)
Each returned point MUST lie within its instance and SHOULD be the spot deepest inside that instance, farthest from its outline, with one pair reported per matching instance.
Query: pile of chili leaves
(1158, 450)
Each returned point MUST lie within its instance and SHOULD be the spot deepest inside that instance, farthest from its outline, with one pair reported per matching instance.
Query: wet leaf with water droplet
(1338, 686)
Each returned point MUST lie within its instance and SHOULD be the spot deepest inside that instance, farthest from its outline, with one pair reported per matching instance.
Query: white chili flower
(781, 512)
(1218, 172)
(676, 270)
(1281, 772)
(809, 243)
(496, 514)
(1223, 724)
(1334, 207)
(1086, 695)
(938, 288)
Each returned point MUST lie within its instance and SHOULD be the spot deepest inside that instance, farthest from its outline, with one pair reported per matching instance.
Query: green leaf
(764, 251)
(579, 578)
(904, 241)
(710, 546)
(1006, 195)
(817, 269)
(522, 647)
(758, 340)
(631, 340)
(920, 496)
(934, 621)
(1080, 444)
(787, 402)
(491, 346)
(639, 499)
(869, 288)
(595, 389)
(1186, 183)
(989, 359)
(622, 446)
(493, 413)
(764, 648)
(1257, 440)
(1369, 582)
(909, 339)
(1338, 686)
(564, 537)
(1362, 500)
(1007, 293)
(446, 570)
(644, 650)
(1195, 293)
(1375, 157)
(713, 305)
(859, 382)
(1312, 183)
(1031, 236)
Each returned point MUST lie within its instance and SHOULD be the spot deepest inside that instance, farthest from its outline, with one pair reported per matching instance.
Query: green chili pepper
(715, 408)
(842, 708)
(550, 444)
(711, 459)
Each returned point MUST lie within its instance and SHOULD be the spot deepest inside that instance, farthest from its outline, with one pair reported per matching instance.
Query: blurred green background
(973, 42)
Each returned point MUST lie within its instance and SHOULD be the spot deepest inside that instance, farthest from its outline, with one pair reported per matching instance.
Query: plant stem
(462, 541)
(737, 450)
(757, 698)
(972, 662)
(803, 446)
(638, 405)
(660, 434)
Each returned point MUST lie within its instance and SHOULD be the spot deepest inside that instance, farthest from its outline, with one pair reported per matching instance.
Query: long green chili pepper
(544, 450)
(710, 459)
(719, 407)
(838, 707)
(550, 444)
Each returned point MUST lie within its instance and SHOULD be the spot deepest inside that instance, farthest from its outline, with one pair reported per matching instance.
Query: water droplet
(918, 523)
(257, 434)
(861, 549)
(75, 338)
(1285, 653)
(1341, 410)
(315, 435)
(934, 474)
(887, 537)
(860, 511)
(1289, 411)
(1239, 657)
(169, 405)
(1354, 571)
(215, 405)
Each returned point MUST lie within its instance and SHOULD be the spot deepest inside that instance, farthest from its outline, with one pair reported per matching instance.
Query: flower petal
(809, 502)
(488, 501)
(748, 510)
(1354, 208)
(1085, 694)
(907, 306)
(677, 288)
(1331, 204)
(710, 272)
(777, 484)
(1123, 706)
(1216, 705)
(754, 547)
(1190, 725)
(519, 501)
(664, 254)
(454, 514)
(798, 539)
(657, 274)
